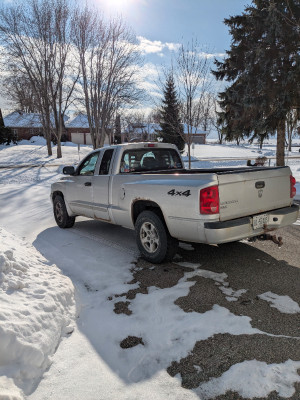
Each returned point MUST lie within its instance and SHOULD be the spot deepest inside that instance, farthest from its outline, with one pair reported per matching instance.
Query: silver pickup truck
(144, 186)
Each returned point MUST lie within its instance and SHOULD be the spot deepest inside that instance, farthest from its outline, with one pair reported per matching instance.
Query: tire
(153, 239)
(61, 215)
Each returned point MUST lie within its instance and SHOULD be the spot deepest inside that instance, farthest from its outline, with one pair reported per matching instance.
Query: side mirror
(68, 170)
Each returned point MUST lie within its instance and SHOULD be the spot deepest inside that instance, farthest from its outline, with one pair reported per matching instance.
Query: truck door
(80, 191)
(101, 186)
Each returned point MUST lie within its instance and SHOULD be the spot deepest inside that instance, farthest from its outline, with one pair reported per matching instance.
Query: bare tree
(24, 53)
(132, 121)
(37, 39)
(194, 82)
(109, 60)
(17, 88)
(65, 70)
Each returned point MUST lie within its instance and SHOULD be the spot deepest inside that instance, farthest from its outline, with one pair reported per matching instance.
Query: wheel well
(146, 205)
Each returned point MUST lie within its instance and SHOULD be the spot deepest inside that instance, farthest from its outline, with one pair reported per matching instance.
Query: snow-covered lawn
(53, 347)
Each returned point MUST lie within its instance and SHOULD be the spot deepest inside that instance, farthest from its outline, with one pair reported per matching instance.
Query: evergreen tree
(263, 66)
(6, 134)
(118, 138)
(171, 127)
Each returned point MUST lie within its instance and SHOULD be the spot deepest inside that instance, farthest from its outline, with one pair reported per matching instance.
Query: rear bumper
(241, 228)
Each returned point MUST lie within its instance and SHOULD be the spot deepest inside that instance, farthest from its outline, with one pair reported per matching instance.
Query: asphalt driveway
(251, 269)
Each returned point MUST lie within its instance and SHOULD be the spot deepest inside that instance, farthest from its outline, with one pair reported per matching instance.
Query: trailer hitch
(266, 236)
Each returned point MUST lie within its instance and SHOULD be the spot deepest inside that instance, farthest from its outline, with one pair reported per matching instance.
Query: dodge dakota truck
(145, 187)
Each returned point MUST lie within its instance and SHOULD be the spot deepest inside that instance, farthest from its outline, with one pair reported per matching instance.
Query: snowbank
(37, 308)
(37, 140)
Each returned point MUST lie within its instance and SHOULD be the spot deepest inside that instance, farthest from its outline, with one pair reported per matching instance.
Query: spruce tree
(170, 125)
(6, 134)
(263, 67)
(118, 138)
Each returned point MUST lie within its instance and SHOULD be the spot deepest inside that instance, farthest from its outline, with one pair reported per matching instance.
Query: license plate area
(260, 220)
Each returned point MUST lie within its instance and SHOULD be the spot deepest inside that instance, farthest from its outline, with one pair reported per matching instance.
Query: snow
(37, 310)
(34, 152)
(19, 120)
(25, 120)
(51, 348)
(283, 303)
(254, 379)
(79, 121)
(220, 281)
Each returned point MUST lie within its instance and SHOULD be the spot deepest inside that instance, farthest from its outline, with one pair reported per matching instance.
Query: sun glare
(118, 5)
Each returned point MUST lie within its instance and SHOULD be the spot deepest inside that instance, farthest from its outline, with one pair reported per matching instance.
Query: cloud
(173, 46)
(150, 71)
(156, 46)
(211, 55)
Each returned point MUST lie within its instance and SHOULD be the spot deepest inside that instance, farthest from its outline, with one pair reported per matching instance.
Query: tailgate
(253, 192)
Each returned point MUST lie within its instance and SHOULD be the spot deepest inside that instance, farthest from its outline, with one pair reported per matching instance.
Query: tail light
(209, 200)
(150, 145)
(293, 186)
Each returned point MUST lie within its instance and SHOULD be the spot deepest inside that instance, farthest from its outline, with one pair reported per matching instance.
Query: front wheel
(153, 239)
(61, 215)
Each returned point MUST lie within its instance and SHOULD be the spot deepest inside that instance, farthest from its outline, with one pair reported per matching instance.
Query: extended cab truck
(144, 186)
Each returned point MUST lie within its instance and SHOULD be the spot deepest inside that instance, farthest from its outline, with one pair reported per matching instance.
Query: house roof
(22, 120)
(18, 119)
(80, 121)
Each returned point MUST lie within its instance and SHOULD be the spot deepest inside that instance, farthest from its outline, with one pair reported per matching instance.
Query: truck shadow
(143, 318)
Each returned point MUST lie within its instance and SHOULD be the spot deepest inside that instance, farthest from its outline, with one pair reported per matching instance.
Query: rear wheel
(153, 239)
(61, 215)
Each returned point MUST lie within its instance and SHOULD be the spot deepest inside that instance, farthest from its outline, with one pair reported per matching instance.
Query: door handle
(88, 184)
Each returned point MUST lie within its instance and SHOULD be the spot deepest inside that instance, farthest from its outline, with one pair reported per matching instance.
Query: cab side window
(88, 166)
(105, 162)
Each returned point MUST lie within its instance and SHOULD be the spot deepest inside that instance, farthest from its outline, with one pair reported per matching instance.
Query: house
(197, 135)
(78, 130)
(149, 131)
(26, 125)
(140, 132)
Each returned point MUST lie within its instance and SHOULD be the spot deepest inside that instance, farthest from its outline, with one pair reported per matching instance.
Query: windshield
(149, 160)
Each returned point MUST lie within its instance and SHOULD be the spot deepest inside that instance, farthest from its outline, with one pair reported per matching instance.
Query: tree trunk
(280, 144)
(59, 153)
(102, 137)
(49, 147)
(290, 141)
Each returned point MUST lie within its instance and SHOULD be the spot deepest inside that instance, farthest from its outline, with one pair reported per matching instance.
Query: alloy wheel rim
(149, 237)
(59, 212)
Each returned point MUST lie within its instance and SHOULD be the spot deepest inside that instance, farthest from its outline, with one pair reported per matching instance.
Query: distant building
(26, 125)
(197, 135)
(149, 131)
(140, 132)
(78, 130)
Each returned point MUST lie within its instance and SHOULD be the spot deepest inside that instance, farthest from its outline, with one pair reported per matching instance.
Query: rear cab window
(106, 162)
(139, 160)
